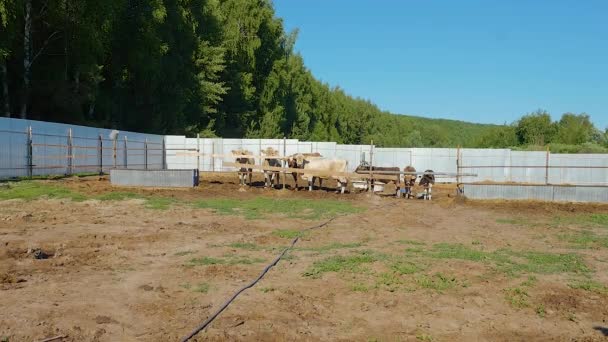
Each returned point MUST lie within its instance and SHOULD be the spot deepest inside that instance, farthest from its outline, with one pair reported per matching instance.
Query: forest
(216, 68)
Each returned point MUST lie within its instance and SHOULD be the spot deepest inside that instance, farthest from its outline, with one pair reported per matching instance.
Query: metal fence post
(146, 154)
(100, 154)
(124, 154)
(371, 168)
(164, 154)
(70, 153)
(547, 167)
(114, 147)
(198, 152)
(30, 153)
(212, 156)
(284, 161)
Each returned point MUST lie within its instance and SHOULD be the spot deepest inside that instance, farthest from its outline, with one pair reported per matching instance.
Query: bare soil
(118, 271)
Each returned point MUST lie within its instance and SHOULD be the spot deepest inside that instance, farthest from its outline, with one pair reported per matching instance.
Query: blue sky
(484, 61)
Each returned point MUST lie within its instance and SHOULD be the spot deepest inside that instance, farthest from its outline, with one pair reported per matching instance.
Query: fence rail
(31, 148)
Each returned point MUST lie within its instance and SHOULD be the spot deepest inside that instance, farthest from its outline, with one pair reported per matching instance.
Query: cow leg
(320, 183)
(310, 184)
(430, 193)
(250, 176)
(343, 187)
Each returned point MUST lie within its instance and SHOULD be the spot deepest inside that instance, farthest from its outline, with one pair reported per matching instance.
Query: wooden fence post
(283, 161)
(70, 162)
(124, 154)
(30, 153)
(100, 154)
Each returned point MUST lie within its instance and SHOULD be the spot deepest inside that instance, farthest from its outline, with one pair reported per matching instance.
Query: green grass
(359, 287)
(288, 233)
(585, 239)
(424, 337)
(350, 263)
(517, 297)
(261, 207)
(200, 288)
(389, 281)
(331, 247)
(411, 242)
(438, 282)
(405, 267)
(540, 310)
(267, 289)
(31, 190)
(591, 286)
(229, 260)
(584, 220)
(509, 261)
(245, 245)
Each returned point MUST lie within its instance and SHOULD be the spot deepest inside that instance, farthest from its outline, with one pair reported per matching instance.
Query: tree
(574, 129)
(535, 129)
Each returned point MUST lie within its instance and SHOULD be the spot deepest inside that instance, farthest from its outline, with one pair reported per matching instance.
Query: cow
(243, 171)
(364, 168)
(409, 180)
(427, 181)
(328, 166)
(296, 161)
(271, 177)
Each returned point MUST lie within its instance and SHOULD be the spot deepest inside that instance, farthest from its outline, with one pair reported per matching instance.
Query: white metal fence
(51, 148)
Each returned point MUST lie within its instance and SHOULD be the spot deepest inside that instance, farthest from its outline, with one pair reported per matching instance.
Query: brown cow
(409, 180)
(243, 172)
(297, 161)
(271, 177)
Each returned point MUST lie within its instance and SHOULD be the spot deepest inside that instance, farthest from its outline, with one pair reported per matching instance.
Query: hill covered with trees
(215, 67)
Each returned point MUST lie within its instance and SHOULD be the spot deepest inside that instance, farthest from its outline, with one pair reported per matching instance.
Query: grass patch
(338, 263)
(201, 288)
(438, 282)
(333, 246)
(229, 260)
(591, 286)
(411, 242)
(424, 337)
(509, 261)
(540, 310)
(585, 239)
(288, 233)
(294, 208)
(585, 220)
(28, 191)
(31, 190)
(517, 297)
(389, 281)
(245, 245)
(360, 287)
(267, 289)
(405, 267)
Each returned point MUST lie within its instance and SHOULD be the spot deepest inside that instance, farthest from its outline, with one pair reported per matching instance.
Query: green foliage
(261, 207)
(216, 68)
(590, 285)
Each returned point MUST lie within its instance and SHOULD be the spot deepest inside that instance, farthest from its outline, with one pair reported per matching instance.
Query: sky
(488, 61)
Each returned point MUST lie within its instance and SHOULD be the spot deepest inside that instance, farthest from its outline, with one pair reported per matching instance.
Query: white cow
(328, 166)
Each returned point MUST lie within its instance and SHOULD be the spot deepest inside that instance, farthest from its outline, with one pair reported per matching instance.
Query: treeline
(573, 133)
(215, 67)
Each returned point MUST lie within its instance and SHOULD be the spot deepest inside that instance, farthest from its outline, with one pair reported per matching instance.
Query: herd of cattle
(324, 168)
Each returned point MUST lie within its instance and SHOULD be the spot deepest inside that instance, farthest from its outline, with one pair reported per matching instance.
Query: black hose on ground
(204, 325)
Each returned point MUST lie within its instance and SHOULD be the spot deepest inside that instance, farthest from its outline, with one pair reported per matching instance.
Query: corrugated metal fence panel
(555, 193)
(436, 159)
(352, 154)
(586, 175)
(13, 152)
(390, 157)
(153, 178)
(536, 174)
(486, 157)
(327, 149)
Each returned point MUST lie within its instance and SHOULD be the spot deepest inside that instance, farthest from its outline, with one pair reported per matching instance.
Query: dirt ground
(394, 270)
